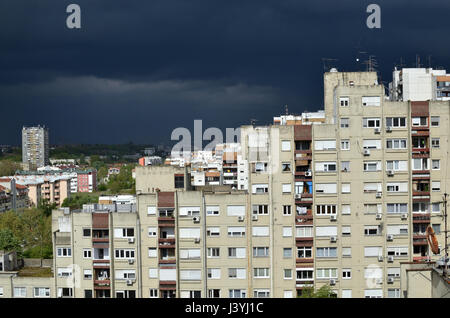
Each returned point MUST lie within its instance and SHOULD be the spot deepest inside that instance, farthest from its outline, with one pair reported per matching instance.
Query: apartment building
(13, 196)
(35, 147)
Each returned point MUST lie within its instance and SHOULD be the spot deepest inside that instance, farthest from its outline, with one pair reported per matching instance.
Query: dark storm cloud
(138, 69)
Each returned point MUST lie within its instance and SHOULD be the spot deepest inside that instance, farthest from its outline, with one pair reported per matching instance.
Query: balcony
(421, 217)
(304, 219)
(304, 260)
(168, 260)
(102, 284)
(100, 239)
(166, 242)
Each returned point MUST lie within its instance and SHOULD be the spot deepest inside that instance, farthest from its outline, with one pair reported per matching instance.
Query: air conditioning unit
(131, 261)
(255, 217)
(388, 128)
(298, 196)
(130, 282)
(333, 217)
(332, 282)
(390, 259)
(366, 152)
(196, 219)
(377, 130)
(131, 240)
(380, 258)
(378, 195)
(390, 237)
(390, 280)
(390, 172)
(308, 173)
(404, 216)
(240, 218)
(197, 240)
(333, 238)
(379, 216)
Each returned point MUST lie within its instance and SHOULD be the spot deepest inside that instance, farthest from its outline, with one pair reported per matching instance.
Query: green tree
(76, 201)
(8, 167)
(323, 292)
(8, 242)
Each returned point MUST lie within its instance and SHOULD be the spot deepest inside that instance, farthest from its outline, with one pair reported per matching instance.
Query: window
(304, 252)
(40, 292)
(87, 274)
(287, 187)
(345, 187)
(213, 231)
(345, 166)
(152, 252)
(87, 253)
(260, 231)
(287, 273)
(237, 293)
(435, 143)
(393, 292)
(259, 167)
(125, 253)
(260, 189)
(189, 232)
(371, 100)
(260, 251)
(305, 274)
(236, 252)
(65, 272)
(326, 230)
(371, 122)
(214, 273)
(435, 186)
(304, 231)
(126, 294)
(151, 210)
(179, 182)
(124, 232)
(213, 293)
(326, 252)
(436, 228)
(1, 291)
(260, 209)
(372, 166)
(153, 293)
(435, 121)
(372, 144)
(287, 252)
(325, 145)
(346, 230)
(190, 253)
(346, 252)
(236, 231)
(212, 210)
(396, 143)
(237, 210)
(88, 293)
(435, 164)
(261, 272)
(326, 166)
(213, 252)
(287, 210)
(397, 165)
(64, 251)
(397, 251)
(20, 292)
(397, 208)
(86, 232)
(152, 232)
(373, 293)
(346, 293)
(345, 144)
(190, 294)
(286, 167)
(189, 211)
(345, 122)
(373, 251)
(420, 121)
(326, 273)
(372, 187)
(124, 274)
(397, 187)
(190, 274)
(371, 230)
(345, 209)
(287, 231)
(401, 229)
(237, 273)
(393, 272)
(436, 207)
(396, 122)
(344, 101)
(346, 273)
(326, 188)
(285, 145)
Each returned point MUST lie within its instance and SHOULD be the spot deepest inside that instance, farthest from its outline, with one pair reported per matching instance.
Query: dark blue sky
(139, 69)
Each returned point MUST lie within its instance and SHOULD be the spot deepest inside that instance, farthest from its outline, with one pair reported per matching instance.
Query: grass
(35, 272)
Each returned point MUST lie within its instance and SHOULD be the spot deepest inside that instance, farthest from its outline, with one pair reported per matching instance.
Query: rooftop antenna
(371, 64)
(417, 61)
(429, 61)
(286, 108)
(253, 122)
(358, 57)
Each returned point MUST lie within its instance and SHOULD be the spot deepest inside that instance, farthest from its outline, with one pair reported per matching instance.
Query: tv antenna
(371, 64)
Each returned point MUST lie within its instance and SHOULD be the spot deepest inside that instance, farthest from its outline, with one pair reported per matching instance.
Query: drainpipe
(139, 254)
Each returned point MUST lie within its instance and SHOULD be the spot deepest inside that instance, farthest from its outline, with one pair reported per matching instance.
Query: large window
(326, 273)
(326, 252)
(396, 122)
(371, 122)
(399, 143)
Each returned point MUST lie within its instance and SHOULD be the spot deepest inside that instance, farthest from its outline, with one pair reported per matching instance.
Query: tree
(76, 201)
(102, 173)
(323, 292)
(47, 207)
(8, 242)
(8, 168)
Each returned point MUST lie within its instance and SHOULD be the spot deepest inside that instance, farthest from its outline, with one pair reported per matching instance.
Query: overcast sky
(136, 70)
